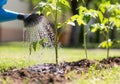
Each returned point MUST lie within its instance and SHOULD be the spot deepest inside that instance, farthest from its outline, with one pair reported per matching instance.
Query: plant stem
(56, 34)
(108, 49)
(85, 33)
(85, 41)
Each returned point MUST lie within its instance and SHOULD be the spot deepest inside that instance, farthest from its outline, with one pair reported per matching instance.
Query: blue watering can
(7, 15)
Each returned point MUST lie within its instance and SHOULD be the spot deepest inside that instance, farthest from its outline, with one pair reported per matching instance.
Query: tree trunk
(74, 34)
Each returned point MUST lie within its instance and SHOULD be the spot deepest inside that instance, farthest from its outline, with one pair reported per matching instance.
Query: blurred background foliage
(76, 39)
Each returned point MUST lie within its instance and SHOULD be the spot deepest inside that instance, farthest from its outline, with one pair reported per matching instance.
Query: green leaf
(65, 3)
(91, 13)
(80, 21)
(106, 44)
(74, 18)
(98, 26)
(103, 7)
(48, 13)
(59, 25)
(105, 21)
(115, 21)
(77, 18)
(36, 46)
(94, 27)
(87, 14)
(100, 15)
(82, 9)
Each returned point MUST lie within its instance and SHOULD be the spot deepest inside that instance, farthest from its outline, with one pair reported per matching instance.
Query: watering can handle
(2, 2)
(7, 15)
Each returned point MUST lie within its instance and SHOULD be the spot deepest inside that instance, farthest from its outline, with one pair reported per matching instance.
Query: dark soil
(55, 74)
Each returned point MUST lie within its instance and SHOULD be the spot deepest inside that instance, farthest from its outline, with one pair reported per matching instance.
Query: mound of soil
(52, 73)
(110, 62)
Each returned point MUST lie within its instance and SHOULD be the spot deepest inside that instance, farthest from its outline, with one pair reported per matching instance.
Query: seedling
(108, 19)
(83, 18)
(53, 8)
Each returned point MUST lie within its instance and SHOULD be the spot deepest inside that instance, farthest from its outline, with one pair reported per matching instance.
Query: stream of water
(37, 32)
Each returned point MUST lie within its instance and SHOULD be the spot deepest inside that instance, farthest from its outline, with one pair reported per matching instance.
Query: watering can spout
(33, 19)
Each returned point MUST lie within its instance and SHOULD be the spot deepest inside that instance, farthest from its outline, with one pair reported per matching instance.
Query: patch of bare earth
(52, 73)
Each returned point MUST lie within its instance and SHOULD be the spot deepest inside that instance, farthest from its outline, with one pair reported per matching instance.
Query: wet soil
(55, 74)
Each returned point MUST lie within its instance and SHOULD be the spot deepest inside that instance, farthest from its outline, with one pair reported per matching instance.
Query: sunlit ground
(17, 55)
(104, 76)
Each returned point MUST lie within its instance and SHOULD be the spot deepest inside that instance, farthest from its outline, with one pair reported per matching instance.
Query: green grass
(104, 76)
(17, 55)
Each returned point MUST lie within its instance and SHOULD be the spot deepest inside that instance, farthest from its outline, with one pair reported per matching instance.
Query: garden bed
(52, 73)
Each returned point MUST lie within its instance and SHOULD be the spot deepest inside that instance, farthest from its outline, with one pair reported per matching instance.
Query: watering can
(7, 15)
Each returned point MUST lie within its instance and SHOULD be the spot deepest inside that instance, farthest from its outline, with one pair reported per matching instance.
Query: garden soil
(54, 74)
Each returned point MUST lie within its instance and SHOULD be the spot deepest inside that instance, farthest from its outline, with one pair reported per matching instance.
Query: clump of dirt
(110, 62)
(52, 73)
(84, 63)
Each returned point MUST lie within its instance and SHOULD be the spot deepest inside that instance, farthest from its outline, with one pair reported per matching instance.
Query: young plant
(109, 18)
(87, 15)
(83, 18)
(53, 8)
(105, 31)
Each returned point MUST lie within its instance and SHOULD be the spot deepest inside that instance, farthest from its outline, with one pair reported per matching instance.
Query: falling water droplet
(39, 31)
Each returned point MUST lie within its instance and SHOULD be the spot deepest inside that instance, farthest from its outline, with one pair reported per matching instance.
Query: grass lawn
(105, 76)
(17, 55)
